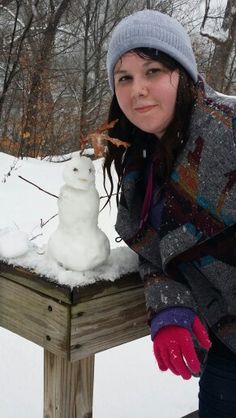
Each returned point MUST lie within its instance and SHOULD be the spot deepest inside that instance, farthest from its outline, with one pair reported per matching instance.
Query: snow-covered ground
(127, 381)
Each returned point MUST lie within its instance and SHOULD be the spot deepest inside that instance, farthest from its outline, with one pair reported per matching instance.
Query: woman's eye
(124, 78)
(153, 70)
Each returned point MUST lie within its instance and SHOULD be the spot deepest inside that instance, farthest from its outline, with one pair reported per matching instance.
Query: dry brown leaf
(118, 142)
(97, 139)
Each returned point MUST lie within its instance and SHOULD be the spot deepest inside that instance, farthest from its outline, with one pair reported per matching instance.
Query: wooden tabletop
(72, 322)
(64, 292)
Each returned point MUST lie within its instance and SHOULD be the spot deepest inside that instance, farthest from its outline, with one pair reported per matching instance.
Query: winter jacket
(197, 202)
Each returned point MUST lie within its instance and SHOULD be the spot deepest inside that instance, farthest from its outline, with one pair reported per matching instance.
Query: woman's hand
(174, 349)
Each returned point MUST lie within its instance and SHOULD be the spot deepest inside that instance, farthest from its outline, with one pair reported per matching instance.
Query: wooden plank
(106, 322)
(40, 284)
(64, 292)
(103, 288)
(34, 316)
(68, 387)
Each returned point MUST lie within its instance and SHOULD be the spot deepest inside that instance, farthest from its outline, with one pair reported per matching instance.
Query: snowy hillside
(127, 381)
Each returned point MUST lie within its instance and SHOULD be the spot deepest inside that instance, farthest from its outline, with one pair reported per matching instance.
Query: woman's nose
(140, 88)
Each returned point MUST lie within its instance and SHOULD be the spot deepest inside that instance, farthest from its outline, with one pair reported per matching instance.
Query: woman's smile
(144, 109)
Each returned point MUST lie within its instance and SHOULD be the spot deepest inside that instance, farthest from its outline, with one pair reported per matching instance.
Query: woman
(177, 206)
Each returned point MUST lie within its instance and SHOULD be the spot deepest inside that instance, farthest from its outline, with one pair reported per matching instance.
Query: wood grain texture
(72, 325)
(35, 282)
(65, 293)
(68, 387)
(34, 316)
(103, 288)
(106, 322)
(90, 319)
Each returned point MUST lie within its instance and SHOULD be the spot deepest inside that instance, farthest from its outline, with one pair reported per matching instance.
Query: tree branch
(40, 188)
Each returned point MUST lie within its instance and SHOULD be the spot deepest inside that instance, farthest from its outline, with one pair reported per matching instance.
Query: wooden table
(72, 325)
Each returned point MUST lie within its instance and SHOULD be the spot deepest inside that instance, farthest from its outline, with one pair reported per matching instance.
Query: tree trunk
(39, 84)
(223, 50)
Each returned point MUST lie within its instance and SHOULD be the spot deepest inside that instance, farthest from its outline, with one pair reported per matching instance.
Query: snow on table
(120, 262)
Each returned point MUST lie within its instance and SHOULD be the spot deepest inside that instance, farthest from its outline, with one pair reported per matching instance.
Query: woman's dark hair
(174, 137)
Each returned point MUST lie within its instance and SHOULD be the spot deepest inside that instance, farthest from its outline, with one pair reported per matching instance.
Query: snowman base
(79, 253)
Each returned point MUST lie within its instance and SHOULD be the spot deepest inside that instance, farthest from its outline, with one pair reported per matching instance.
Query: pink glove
(174, 349)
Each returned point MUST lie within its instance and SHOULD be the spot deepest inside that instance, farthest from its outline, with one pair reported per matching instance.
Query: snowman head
(79, 173)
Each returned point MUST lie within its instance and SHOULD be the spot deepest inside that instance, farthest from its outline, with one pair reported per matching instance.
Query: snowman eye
(75, 169)
(90, 170)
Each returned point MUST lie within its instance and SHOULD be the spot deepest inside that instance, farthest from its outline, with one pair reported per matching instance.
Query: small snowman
(78, 243)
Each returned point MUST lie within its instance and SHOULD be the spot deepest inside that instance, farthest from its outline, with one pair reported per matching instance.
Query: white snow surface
(127, 380)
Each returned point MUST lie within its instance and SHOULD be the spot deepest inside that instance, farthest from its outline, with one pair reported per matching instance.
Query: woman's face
(146, 92)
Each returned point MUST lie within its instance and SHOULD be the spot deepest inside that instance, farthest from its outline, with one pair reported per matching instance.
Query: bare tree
(40, 88)
(223, 36)
(53, 65)
(13, 48)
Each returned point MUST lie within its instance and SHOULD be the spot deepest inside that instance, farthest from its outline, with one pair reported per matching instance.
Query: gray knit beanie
(152, 29)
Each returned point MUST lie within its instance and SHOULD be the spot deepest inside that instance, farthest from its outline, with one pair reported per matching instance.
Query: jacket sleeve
(162, 291)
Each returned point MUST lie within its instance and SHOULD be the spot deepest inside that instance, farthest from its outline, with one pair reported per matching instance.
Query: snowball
(13, 243)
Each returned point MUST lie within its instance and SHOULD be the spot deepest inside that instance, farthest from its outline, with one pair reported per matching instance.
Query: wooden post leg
(68, 387)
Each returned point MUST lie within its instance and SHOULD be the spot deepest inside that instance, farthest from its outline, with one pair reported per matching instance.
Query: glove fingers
(177, 361)
(201, 333)
(166, 355)
(163, 360)
(160, 361)
(190, 356)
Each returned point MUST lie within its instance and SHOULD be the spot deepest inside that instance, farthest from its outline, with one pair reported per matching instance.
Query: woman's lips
(144, 109)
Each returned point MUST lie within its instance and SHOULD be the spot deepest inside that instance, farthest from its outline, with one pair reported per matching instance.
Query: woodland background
(53, 83)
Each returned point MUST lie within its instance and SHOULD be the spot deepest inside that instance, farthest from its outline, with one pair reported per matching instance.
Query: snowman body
(78, 243)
